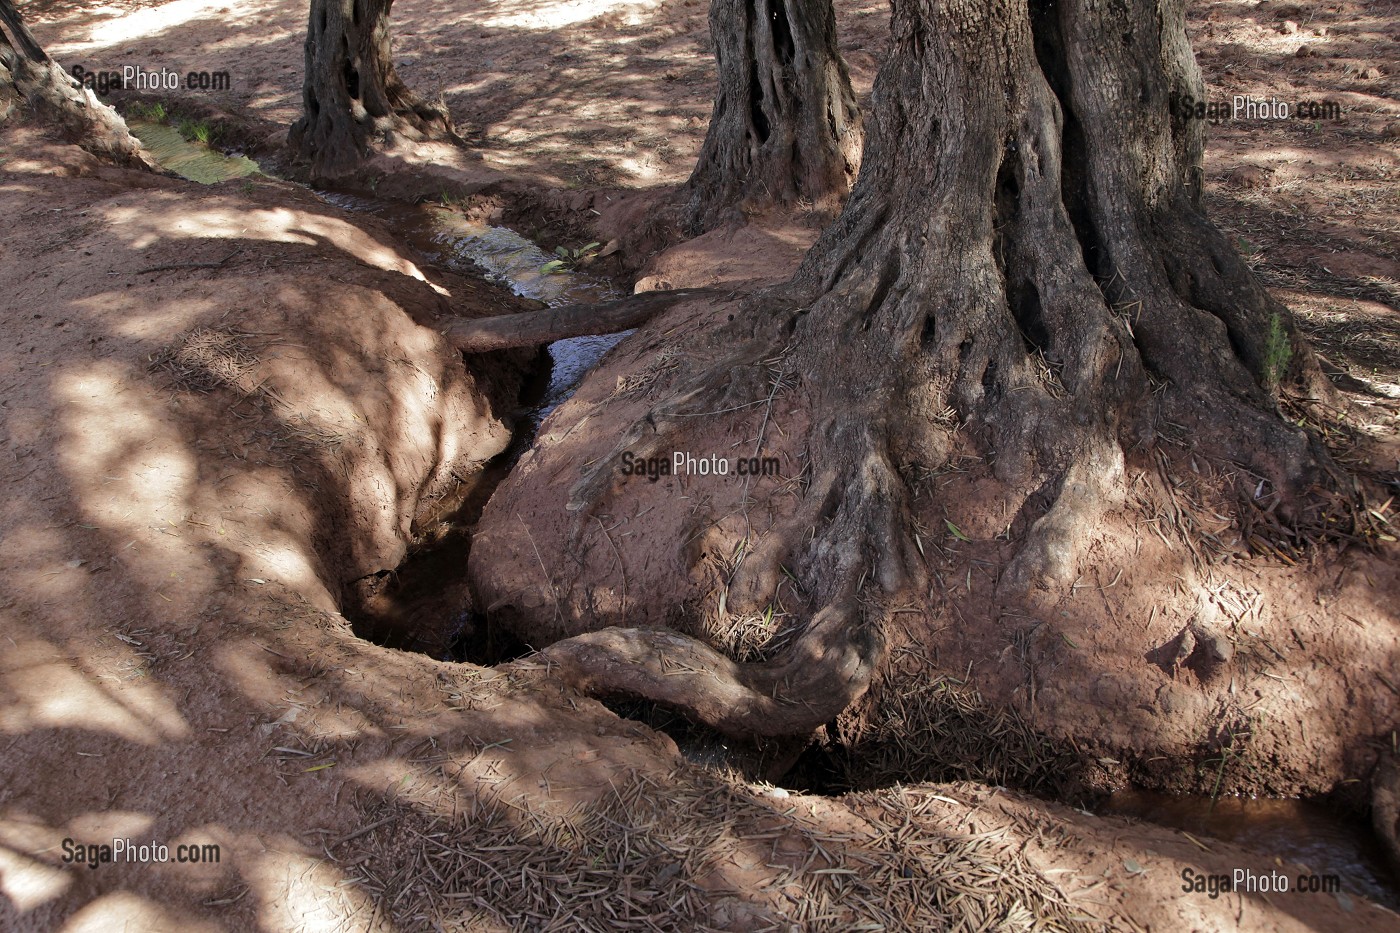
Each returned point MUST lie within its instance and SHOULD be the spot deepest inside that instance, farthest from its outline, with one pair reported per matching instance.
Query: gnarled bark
(1022, 276)
(351, 93)
(29, 77)
(785, 124)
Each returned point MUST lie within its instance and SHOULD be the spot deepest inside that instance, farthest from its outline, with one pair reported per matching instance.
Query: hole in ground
(424, 604)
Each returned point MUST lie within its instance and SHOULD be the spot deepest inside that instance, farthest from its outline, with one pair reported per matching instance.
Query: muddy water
(193, 160)
(1309, 833)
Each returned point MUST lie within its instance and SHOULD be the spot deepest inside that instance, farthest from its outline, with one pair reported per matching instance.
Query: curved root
(824, 671)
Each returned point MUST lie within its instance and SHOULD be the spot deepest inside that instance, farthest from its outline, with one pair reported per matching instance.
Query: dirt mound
(220, 411)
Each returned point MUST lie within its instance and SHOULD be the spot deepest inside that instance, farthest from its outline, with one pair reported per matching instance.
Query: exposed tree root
(534, 328)
(823, 672)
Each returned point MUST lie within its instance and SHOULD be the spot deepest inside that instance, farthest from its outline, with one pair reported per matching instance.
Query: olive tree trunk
(29, 78)
(785, 125)
(351, 93)
(1022, 287)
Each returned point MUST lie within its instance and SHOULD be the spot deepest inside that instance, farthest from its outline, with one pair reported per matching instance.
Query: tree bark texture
(785, 124)
(28, 77)
(351, 92)
(1023, 279)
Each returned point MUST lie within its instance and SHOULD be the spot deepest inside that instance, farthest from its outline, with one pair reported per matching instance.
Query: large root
(1003, 297)
(827, 669)
(531, 329)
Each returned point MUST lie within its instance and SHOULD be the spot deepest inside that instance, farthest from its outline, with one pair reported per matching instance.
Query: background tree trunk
(1022, 288)
(785, 124)
(29, 77)
(351, 92)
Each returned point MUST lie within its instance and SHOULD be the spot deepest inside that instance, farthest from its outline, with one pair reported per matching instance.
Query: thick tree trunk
(785, 124)
(1023, 280)
(351, 93)
(29, 77)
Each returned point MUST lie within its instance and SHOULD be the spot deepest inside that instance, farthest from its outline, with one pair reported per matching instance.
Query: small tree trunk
(29, 77)
(351, 92)
(785, 124)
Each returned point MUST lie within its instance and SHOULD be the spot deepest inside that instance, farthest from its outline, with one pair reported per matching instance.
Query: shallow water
(192, 160)
(503, 256)
(1301, 831)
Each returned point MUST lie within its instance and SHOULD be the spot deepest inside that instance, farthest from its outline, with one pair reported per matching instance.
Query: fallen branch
(533, 328)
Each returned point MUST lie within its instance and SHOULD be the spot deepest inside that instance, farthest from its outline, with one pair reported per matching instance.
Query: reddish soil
(223, 406)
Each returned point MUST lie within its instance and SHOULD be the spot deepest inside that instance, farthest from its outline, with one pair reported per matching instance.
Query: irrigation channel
(418, 618)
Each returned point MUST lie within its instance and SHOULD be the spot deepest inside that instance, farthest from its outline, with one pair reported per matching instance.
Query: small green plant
(151, 113)
(570, 258)
(1278, 352)
(1232, 743)
(196, 131)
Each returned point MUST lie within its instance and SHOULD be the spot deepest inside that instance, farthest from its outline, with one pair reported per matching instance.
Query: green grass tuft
(1278, 352)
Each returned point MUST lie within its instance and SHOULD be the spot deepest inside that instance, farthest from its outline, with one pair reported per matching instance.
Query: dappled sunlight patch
(149, 473)
(125, 910)
(141, 23)
(421, 785)
(299, 892)
(556, 14)
(27, 882)
(42, 690)
(228, 220)
(287, 563)
(106, 825)
(127, 315)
